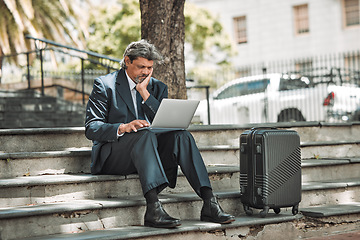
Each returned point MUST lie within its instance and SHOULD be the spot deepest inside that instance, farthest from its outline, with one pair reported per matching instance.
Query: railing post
(208, 103)
(264, 70)
(28, 69)
(82, 81)
(42, 72)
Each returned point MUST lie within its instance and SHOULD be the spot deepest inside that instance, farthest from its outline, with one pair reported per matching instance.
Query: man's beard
(140, 78)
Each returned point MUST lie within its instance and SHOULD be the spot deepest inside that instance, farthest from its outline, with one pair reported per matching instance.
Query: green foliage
(113, 27)
(213, 77)
(206, 36)
(57, 20)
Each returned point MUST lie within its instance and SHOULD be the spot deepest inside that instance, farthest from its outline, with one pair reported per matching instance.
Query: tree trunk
(163, 24)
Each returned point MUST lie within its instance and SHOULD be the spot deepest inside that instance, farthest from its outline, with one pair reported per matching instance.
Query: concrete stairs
(46, 191)
(28, 109)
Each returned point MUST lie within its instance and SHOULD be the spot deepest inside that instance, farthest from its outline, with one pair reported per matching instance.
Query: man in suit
(121, 103)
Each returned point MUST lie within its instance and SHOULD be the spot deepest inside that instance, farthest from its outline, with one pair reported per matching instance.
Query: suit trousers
(156, 157)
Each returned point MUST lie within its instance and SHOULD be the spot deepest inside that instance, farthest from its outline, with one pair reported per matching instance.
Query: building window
(351, 64)
(351, 12)
(242, 72)
(301, 19)
(240, 29)
(304, 66)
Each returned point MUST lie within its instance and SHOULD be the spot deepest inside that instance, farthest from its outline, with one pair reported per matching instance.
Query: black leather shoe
(155, 216)
(212, 212)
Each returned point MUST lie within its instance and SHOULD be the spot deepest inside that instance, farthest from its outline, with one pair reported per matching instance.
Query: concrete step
(70, 160)
(62, 187)
(53, 139)
(227, 154)
(328, 149)
(56, 188)
(42, 139)
(20, 110)
(334, 221)
(94, 214)
(329, 169)
(309, 132)
(77, 159)
(341, 218)
(330, 192)
(332, 210)
(189, 229)
(85, 215)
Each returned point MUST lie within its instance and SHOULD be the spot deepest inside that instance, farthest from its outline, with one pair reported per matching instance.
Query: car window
(257, 86)
(293, 83)
(232, 91)
(240, 89)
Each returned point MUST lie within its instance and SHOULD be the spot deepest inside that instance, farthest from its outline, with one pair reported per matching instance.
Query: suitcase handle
(257, 128)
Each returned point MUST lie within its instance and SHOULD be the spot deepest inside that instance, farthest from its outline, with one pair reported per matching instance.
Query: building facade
(297, 30)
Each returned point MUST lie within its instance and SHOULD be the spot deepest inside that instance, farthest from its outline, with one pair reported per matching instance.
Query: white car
(274, 98)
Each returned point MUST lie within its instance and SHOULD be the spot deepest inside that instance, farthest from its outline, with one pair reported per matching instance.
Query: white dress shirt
(132, 87)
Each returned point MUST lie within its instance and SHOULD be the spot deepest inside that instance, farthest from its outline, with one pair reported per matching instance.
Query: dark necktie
(139, 107)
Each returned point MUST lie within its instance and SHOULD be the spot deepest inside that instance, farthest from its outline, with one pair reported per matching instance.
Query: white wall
(270, 28)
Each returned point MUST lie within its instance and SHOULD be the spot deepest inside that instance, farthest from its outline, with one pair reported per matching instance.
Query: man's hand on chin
(142, 87)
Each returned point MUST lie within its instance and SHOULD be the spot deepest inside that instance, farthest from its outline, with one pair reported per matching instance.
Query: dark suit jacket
(110, 104)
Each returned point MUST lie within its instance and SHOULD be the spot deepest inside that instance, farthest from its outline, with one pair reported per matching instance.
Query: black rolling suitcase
(270, 170)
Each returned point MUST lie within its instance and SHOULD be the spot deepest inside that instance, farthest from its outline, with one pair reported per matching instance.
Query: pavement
(343, 236)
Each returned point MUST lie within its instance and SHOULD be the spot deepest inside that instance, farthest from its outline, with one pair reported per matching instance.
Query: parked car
(279, 98)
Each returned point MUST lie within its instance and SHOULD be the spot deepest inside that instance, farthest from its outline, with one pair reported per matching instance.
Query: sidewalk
(343, 236)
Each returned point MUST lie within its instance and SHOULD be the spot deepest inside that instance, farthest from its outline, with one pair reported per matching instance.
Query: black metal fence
(325, 74)
(347, 62)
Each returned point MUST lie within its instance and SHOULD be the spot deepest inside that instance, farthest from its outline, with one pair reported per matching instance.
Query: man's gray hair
(142, 49)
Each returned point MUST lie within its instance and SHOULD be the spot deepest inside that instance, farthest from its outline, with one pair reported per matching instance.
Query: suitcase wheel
(295, 209)
(264, 212)
(248, 210)
(277, 210)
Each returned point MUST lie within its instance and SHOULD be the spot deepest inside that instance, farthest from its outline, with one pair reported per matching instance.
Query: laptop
(173, 114)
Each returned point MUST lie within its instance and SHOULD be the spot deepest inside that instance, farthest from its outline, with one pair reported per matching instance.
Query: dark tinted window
(232, 91)
(293, 83)
(257, 86)
(240, 89)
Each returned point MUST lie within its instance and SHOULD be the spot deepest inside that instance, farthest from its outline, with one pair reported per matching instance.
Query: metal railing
(207, 97)
(92, 57)
(86, 76)
(348, 62)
